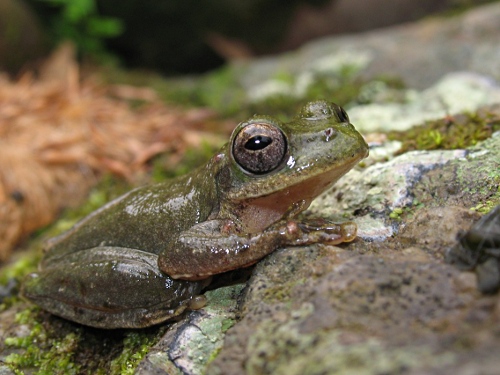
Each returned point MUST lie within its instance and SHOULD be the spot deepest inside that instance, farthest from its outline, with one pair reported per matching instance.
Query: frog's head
(276, 165)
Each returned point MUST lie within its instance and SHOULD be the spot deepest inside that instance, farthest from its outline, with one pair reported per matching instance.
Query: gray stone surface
(191, 343)
(420, 53)
(452, 94)
(387, 304)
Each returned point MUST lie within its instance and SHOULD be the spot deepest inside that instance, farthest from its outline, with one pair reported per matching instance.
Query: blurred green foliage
(80, 22)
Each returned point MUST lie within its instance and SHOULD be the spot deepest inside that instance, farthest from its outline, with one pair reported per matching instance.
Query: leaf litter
(59, 132)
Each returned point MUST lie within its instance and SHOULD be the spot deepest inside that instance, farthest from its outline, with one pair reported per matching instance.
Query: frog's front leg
(109, 287)
(214, 246)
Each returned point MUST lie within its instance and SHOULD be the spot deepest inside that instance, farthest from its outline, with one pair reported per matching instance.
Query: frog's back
(145, 218)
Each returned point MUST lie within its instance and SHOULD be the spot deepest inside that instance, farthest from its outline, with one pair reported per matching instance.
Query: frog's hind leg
(109, 287)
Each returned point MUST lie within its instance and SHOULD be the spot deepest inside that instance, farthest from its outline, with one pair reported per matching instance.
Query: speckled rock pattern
(344, 311)
(370, 307)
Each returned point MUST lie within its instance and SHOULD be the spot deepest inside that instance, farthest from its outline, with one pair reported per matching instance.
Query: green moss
(283, 292)
(213, 356)
(399, 212)
(19, 269)
(457, 132)
(55, 346)
(395, 214)
(219, 90)
(41, 351)
(226, 324)
(493, 200)
(480, 177)
(135, 347)
(473, 183)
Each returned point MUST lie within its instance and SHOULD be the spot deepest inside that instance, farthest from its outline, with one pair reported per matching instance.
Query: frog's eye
(259, 148)
(342, 114)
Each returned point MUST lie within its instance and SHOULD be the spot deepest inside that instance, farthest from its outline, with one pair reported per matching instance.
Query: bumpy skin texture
(138, 260)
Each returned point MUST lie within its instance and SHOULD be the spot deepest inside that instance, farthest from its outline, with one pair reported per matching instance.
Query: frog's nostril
(329, 133)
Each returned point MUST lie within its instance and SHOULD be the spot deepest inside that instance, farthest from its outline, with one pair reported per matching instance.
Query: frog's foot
(321, 231)
(197, 302)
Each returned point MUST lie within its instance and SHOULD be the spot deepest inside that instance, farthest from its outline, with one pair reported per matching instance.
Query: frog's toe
(197, 302)
(349, 231)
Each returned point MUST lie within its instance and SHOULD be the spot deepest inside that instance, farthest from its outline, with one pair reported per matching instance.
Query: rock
(190, 344)
(452, 94)
(420, 53)
(383, 303)
(338, 312)
(353, 16)
(380, 189)
(387, 301)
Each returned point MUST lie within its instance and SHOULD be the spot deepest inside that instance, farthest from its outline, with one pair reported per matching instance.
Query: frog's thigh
(109, 287)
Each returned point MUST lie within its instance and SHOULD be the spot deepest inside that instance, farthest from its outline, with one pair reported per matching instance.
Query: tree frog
(140, 259)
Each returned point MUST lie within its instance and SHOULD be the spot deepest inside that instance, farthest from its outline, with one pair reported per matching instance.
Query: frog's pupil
(258, 142)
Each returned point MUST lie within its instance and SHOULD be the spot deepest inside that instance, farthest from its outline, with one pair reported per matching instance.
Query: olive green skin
(138, 260)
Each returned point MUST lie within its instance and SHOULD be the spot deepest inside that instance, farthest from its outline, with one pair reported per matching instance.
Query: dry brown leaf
(59, 133)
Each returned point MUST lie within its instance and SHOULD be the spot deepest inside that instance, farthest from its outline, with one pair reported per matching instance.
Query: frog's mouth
(257, 213)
